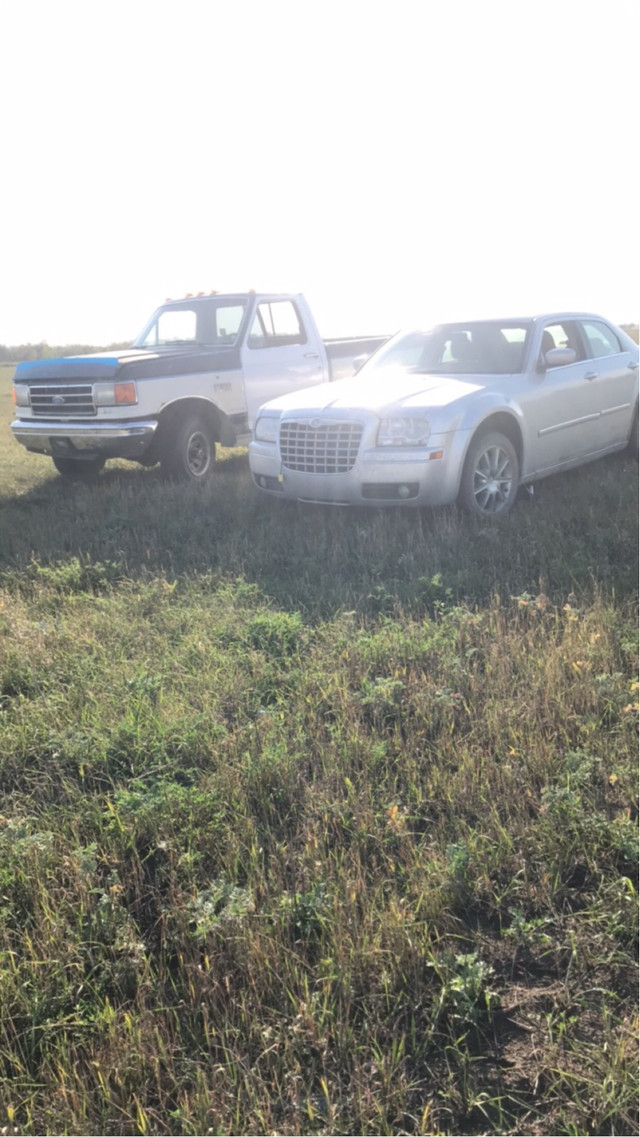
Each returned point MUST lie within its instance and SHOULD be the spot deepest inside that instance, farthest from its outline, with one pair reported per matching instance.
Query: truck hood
(134, 363)
(393, 390)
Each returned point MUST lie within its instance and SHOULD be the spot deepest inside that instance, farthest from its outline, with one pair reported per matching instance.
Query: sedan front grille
(67, 400)
(329, 448)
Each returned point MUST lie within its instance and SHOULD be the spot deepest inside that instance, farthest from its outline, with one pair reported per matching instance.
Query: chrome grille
(67, 400)
(330, 448)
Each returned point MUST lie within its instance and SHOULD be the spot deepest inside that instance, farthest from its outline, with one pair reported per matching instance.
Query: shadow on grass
(578, 532)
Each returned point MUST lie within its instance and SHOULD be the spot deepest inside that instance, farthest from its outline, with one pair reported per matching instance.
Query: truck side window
(276, 324)
(228, 320)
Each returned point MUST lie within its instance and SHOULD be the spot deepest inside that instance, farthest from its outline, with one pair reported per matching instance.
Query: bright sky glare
(397, 162)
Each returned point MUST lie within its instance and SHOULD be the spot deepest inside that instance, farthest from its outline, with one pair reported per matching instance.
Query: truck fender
(221, 426)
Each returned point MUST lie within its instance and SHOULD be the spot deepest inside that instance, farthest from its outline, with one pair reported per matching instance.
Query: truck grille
(67, 400)
(331, 448)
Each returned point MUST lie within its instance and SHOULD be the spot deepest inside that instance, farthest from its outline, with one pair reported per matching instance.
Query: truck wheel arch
(222, 429)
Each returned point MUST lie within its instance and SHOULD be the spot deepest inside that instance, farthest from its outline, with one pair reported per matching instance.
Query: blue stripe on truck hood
(131, 364)
(89, 366)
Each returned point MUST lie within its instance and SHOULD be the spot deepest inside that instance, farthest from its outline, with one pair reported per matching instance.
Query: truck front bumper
(79, 439)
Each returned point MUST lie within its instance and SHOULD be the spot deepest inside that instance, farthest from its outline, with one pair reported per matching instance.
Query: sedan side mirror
(557, 357)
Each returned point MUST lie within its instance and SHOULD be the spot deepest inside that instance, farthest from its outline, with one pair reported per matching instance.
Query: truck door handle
(311, 355)
(591, 375)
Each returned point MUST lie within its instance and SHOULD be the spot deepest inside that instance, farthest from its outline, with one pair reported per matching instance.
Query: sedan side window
(562, 335)
(600, 339)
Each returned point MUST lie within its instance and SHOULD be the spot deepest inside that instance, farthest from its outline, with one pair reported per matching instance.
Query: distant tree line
(23, 352)
(28, 351)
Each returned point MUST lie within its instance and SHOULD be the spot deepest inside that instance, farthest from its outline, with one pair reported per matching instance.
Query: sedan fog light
(403, 491)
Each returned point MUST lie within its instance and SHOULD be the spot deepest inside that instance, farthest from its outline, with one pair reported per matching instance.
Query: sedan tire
(491, 476)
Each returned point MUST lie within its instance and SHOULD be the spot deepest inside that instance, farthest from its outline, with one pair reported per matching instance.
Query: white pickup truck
(194, 377)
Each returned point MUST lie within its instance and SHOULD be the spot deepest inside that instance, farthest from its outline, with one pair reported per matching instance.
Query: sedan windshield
(483, 347)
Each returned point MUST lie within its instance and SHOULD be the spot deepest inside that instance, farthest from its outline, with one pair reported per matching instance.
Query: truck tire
(79, 469)
(190, 453)
(491, 476)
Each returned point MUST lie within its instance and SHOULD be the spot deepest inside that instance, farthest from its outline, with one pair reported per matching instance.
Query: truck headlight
(266, 428)
(412, 431)
(116, 394)
(20, 395)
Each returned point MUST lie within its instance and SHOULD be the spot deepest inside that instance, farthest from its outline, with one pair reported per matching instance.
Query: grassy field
(314, 821)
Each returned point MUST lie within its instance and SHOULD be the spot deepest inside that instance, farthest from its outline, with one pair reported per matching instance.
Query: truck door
(280, 354)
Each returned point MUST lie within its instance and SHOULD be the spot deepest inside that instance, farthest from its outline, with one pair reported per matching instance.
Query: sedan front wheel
(491, 476)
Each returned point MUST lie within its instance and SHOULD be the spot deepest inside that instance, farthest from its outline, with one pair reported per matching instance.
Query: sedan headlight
(266, 428)
(412, 431)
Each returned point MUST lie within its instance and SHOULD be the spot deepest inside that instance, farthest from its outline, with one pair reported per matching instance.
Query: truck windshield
(482, 347)
(200, 322)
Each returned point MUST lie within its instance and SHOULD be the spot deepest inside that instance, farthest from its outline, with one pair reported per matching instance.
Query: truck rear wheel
(191, 452)
(79, 469)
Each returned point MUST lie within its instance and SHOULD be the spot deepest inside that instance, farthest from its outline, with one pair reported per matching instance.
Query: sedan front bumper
(419, 477)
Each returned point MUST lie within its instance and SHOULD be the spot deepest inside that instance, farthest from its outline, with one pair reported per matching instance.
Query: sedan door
(613, 378)
(562, 404)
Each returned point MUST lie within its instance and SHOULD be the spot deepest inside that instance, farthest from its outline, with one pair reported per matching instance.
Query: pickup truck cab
(468, 410)
(193, 378)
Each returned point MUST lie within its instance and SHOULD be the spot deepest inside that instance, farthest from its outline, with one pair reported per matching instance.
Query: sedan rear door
(613, 377)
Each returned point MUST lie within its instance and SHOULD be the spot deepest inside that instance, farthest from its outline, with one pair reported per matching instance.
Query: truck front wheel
(79, 469)
(191, 451)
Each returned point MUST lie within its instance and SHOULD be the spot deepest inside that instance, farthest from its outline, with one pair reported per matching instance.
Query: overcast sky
(395, 161)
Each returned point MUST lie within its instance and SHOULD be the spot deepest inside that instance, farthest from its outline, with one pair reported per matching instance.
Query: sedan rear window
(601, 339)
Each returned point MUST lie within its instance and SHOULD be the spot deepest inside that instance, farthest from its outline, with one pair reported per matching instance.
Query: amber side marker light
(125, 393)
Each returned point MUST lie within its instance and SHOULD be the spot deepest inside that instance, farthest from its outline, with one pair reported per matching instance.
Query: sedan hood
(381, 393)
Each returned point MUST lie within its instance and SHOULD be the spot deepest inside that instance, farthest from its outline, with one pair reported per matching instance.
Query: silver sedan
(464, 411)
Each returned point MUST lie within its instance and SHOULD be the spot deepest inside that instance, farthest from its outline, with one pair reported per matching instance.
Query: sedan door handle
(591, 375)
(311, 355)
(632, 366)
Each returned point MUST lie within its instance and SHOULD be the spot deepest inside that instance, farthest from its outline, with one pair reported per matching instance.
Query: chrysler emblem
(315, 424)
